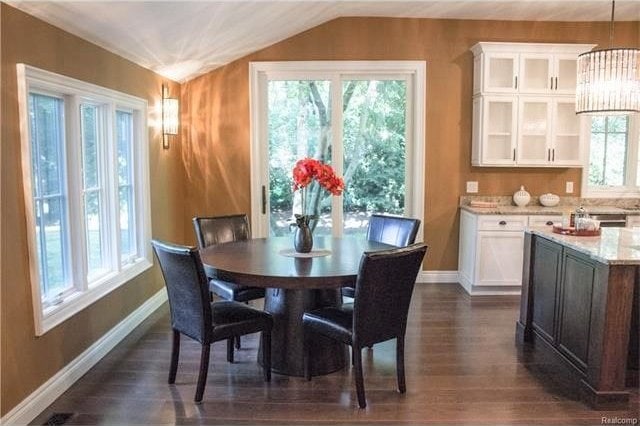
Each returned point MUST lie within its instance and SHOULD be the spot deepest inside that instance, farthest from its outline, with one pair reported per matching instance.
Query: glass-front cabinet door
(534, 116)
(500, 73)
(565, 71)
(536, 73)
(500, 130)
(565, 149)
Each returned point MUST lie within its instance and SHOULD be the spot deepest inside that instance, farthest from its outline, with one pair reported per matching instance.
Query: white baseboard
(41, 398)
(437, 277)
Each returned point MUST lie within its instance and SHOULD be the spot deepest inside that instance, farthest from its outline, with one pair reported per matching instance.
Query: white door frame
(258, 78)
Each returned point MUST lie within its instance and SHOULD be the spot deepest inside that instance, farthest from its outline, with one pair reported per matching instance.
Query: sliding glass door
(360, 123)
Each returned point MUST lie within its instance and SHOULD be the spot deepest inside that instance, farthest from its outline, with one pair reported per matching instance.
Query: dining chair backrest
(393, 230)
(187, 289)
(383, 293)
(221, 229)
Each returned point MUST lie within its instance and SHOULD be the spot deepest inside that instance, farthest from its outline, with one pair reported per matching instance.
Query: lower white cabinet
(491, 251)
(633, 221)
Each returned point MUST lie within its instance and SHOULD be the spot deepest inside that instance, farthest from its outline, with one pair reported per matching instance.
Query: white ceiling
(181, 40)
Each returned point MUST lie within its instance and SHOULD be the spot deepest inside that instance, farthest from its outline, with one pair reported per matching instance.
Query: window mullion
(75, 193)
(140, 185)
(409, 148)
(337, 151)
(633, 152)
(110, 167)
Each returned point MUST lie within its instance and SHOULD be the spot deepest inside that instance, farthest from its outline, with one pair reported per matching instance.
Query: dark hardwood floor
(462, 367)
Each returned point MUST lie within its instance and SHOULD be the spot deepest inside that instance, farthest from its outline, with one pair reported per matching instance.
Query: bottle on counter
(581, 218)
(566, 218)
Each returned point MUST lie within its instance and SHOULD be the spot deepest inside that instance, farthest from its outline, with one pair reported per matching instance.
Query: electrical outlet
(472, 187)
(569, 188)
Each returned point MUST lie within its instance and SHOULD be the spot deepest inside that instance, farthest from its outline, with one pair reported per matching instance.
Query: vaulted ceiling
(181, 40)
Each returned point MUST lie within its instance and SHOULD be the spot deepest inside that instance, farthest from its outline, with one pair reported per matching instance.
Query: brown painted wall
(216, 112)
(26, 361)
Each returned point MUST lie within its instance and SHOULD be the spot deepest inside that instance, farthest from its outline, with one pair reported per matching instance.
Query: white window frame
(31, 79)
(633, 162)
(413, 71)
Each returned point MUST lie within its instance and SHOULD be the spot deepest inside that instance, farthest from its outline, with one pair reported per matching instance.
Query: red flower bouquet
(306, 171)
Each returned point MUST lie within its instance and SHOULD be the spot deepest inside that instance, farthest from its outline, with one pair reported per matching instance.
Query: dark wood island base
(583, 311)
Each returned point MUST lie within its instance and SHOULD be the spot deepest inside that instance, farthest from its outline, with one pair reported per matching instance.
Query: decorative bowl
(549, 200)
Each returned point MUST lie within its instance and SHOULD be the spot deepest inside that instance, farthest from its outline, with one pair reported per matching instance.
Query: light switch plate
(569, 188)
(472, 187)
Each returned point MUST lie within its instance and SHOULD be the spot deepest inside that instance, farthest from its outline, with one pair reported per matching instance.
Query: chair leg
(230, 349)
(175, 354)
(266, 355)
(307, 357)
(362, 401)
(402, 386)
(204, 370)
(237, 339)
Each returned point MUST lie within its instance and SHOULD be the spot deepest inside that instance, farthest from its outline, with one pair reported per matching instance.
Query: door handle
(556, 83)
(516, 82)
(553, 154)
(548, 155)
(264, 199)
(551, 83)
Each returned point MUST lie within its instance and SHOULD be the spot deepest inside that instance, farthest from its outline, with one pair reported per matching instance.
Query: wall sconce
(170, 116)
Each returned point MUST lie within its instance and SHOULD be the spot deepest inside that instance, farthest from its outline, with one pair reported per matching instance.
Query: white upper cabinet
(524, 106)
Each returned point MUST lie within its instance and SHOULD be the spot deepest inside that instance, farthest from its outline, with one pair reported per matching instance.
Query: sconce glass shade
(170, 116)
(608, 82)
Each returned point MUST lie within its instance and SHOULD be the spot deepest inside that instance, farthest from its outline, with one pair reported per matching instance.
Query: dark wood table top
(259, 262)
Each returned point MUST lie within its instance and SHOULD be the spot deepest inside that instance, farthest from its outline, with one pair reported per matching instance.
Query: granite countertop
(615, 246)
(505, 206)
(551, 211)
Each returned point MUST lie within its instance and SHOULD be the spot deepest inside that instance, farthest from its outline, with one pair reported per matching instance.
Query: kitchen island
(579, 303)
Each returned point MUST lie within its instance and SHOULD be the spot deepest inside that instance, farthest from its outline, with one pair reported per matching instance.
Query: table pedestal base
(287, 352)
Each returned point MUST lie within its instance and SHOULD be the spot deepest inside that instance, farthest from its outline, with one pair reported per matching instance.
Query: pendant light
(608, 80)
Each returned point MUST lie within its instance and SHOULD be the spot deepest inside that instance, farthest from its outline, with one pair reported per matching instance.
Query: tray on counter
(577, 233)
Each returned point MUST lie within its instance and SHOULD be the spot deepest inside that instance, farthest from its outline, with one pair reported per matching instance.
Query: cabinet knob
(549, 222)
(502, 222)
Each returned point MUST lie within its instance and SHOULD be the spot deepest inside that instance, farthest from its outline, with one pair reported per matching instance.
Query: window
(86, 191)
(613, 157)
(364, 118)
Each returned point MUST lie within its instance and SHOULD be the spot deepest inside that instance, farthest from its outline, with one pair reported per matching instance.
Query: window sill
(74, 303)
(611, 193)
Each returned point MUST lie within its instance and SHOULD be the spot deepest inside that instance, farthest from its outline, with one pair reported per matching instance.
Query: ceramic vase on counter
(522, 197)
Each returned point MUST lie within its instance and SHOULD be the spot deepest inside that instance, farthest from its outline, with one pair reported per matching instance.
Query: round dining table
(295, 283)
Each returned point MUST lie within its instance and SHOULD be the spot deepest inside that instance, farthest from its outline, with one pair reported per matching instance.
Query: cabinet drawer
(502, 223)
(545, 220)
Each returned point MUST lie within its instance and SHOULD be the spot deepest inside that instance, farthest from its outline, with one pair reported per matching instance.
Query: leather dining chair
(195, 316)
(383, 293)
(223, 229)
(393, 230)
